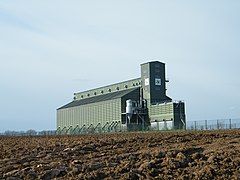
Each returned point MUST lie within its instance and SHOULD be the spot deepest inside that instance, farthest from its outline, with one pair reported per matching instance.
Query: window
(117, 88)
(157, 81)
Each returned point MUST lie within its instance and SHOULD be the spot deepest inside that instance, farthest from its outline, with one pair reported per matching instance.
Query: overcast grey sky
(51, 49)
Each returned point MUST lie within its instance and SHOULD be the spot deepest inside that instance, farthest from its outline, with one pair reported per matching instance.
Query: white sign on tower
(146, 81)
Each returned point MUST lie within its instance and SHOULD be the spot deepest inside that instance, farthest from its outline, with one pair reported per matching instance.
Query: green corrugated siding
(161, 112)
(100, 112)
(161, 109)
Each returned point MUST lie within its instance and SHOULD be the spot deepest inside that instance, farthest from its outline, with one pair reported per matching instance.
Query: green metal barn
(136, 104)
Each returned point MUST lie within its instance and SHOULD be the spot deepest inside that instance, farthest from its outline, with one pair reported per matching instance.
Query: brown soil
(152, 155)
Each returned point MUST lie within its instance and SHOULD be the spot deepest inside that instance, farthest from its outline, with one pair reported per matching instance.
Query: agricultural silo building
(136, 104)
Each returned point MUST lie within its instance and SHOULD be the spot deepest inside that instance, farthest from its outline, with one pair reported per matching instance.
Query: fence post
(230, 123)
(206, 125)
(217, 125)
(195, 124)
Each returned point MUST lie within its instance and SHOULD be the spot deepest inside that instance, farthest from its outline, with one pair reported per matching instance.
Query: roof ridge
(99, 98)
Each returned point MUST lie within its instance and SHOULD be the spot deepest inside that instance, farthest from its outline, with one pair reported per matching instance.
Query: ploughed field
(149, 155)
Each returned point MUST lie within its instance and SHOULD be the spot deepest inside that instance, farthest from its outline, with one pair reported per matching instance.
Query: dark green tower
(154, 82)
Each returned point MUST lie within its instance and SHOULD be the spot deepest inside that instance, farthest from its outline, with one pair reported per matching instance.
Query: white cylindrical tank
(129, 108)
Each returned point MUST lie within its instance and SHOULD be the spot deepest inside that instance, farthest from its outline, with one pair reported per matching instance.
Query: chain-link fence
(116, 126)
(213, 124)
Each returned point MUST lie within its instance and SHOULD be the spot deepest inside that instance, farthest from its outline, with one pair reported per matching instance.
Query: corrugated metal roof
(95, 99)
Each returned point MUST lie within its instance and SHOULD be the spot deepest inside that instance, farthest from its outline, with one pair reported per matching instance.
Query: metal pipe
(63, 129)
(109, 127)
(58, 130)
(81, 128)
(75, 128)
(69, 129)
(105, 125)
(97, 126)
(89, 126)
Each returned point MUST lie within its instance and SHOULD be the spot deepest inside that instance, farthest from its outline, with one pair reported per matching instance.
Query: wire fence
(217, 124)
(213, 124)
